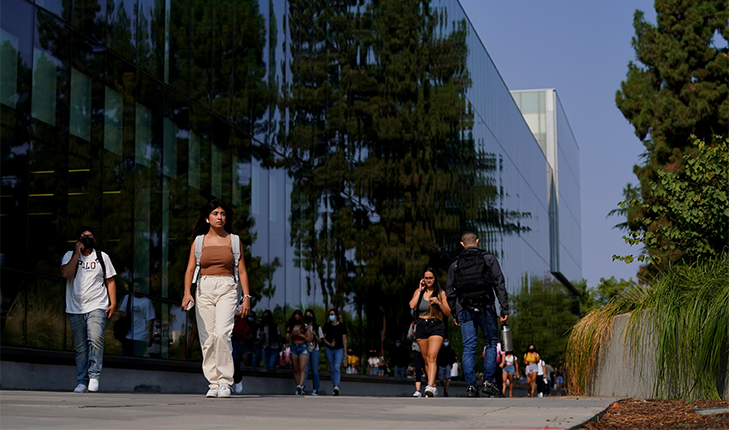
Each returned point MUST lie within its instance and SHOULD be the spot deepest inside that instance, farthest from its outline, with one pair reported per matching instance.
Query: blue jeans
(334, 358)
(314, 359)
(88, 341)
(470, 323)
(270, 357)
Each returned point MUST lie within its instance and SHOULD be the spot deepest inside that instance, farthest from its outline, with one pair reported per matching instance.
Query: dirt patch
(635, 414)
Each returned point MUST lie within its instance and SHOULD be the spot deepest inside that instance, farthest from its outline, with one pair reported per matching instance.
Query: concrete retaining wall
(620, 373)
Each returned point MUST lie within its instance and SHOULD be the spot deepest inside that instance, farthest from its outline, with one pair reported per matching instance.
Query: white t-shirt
(86, 291)
(142, 312)
(509, 360)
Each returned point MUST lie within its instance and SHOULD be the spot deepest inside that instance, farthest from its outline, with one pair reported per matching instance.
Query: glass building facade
(546, 117)
(354, 140)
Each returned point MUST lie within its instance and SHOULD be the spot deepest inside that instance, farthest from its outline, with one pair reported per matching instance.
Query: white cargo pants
(215, 301)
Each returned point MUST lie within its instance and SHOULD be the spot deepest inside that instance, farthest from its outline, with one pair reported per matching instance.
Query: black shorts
(430, 327)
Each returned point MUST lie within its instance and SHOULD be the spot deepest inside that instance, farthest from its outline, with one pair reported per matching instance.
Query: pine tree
(680, 87)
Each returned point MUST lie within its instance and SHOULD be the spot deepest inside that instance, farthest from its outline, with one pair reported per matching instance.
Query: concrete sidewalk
(148, 411)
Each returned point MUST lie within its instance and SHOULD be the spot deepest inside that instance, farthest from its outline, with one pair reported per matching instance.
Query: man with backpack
(90, 301)
(474, 278)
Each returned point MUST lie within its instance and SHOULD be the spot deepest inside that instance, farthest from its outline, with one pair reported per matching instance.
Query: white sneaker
(213, 392)
(417, 394)
(94, 385)
(81, 388)
(224, 390)
(540, 395)
(315, 393)
(238, 388)
(431, 391)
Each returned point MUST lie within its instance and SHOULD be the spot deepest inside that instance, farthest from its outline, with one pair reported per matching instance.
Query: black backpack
(473, 279)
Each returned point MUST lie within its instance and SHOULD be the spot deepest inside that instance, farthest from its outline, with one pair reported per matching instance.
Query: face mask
(308, 318)
(251, 319)
(531, 349)
(88, 242)
(332, 318)
(445, 343)
(397, 344)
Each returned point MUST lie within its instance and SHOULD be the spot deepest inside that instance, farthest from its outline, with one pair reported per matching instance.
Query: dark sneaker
(335, 391)
(490, 389)
(472, 391)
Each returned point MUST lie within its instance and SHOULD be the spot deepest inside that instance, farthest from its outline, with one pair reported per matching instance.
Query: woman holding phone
(430, 310)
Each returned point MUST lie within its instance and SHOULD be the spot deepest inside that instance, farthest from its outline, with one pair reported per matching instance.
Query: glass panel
(143, 136)
(89, 16)
(121, 27)
(150, 36)
(8, 68)
(62, 8)
(193, 167)
(169, 166)
(80, 123)
(43, 105)
(113, 113)
(216, 172)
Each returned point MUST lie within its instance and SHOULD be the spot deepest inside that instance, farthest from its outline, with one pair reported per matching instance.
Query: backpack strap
(198, 253)
(100, 259)
(235, 244)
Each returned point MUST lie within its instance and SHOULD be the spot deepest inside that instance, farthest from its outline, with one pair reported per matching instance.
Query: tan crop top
(217, 261)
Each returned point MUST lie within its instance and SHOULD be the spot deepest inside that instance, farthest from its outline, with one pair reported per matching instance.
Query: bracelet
(247, 296)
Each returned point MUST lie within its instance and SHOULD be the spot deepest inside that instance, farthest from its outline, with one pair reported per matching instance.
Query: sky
(582, 49)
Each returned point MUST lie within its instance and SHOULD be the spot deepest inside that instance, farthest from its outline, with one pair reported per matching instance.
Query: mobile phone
(189, 306)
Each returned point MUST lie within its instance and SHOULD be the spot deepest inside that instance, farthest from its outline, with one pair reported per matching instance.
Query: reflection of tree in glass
(385, 170)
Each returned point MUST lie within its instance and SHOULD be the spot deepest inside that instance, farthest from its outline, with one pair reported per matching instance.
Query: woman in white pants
(216, 295)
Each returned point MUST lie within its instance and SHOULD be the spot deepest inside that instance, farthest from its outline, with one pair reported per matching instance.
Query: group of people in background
(231, 336)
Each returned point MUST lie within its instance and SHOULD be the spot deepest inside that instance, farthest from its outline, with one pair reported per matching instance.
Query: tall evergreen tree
(680, 87)
(385, 170)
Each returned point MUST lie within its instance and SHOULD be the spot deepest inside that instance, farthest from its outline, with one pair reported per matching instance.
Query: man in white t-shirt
(140, 333)
(90, 301)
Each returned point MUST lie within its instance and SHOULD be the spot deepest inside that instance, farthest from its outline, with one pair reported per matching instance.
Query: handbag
(122, 326)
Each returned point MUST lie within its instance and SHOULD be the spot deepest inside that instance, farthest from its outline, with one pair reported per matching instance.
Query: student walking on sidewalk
(214, 257)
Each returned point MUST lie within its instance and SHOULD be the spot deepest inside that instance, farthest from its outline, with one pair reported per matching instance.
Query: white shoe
(94, 385)
(315, 393)
(431, 391)
(540, 395)
(213, 392)
(417, 394)
(81, 388)
(238, 388)
(224, 390)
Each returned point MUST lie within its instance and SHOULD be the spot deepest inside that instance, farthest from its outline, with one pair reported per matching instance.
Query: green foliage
(679, 87)
(688, 313)
(543, 313)
(688, 219)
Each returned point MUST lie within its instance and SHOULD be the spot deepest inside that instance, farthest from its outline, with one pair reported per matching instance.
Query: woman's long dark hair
(202, 227)
(314, 324)
(436, 284)
(292, 320)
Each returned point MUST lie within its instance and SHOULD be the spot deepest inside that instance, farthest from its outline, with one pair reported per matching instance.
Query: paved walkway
(56, 410)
